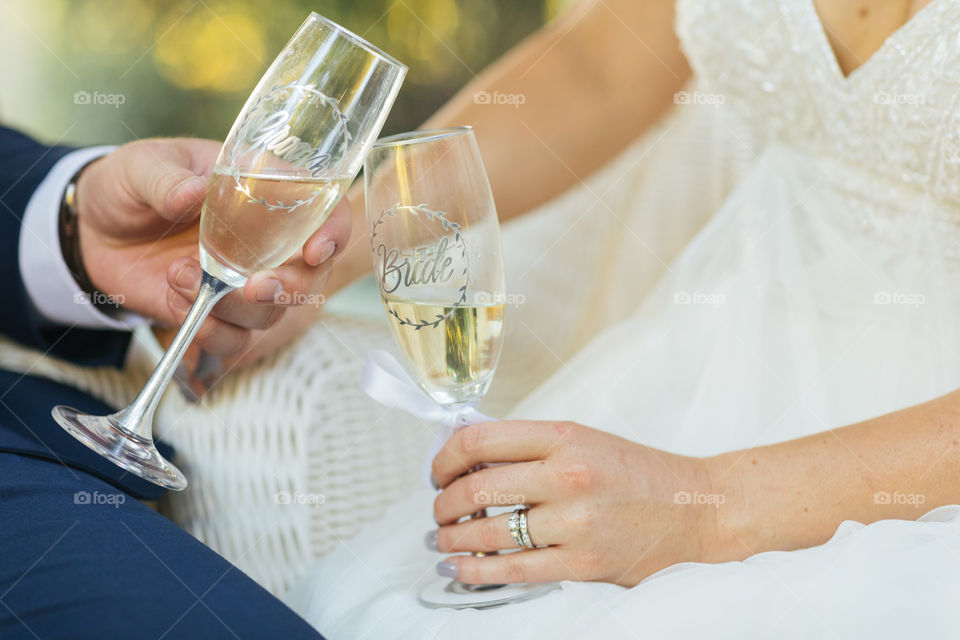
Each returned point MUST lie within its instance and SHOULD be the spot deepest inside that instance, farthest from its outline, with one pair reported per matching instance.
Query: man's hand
(138, 209)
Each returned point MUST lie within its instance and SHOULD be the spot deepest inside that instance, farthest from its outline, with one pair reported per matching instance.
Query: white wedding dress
(824, 289)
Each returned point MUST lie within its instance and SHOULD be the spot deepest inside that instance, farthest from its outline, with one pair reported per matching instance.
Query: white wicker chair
(287, 457)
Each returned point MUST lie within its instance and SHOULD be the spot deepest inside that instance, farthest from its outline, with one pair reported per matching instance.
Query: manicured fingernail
(431, 540)
(447, 569)
(268, 290)
(434, 483)
(326, 250)
(188, 277)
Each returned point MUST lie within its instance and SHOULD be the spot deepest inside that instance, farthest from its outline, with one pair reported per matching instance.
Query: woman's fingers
(511, 484)
(536, 565)
(333, 234)
(493, 533)
(501, 441)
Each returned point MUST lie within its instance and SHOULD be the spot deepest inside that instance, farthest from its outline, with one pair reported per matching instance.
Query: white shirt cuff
(51, 287)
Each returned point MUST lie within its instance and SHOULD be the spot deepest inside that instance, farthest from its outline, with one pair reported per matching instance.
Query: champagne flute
(294, 149)
(435, 242)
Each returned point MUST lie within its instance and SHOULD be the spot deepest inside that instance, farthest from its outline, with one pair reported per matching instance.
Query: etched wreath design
(447, 225)
(315, 94)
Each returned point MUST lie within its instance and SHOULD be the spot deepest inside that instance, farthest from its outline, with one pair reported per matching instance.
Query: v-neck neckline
(876, 56)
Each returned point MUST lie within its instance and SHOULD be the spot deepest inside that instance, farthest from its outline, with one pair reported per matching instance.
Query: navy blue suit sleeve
(23, 165)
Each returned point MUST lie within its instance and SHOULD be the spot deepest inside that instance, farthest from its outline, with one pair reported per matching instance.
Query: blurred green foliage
(185, 67)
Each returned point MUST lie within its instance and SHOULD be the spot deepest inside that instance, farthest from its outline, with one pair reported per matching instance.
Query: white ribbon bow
(386, 381)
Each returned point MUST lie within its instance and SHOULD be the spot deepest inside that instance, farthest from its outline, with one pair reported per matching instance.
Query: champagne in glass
(296, 145)
(455, 362)
(435, 242)
(238, 233)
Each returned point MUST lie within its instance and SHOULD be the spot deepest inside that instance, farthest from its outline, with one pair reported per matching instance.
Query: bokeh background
(185, 67)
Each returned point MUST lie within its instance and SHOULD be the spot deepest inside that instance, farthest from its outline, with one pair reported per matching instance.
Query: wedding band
(513, 524)
(517, 524)
(524, 533)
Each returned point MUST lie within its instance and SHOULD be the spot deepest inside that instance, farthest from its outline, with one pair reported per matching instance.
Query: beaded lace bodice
(897, 115)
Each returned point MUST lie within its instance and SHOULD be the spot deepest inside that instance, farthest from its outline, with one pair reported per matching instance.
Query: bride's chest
(773, 64)
(856, 29)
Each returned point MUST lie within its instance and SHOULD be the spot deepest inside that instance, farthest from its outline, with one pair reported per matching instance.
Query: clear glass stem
(137, 418)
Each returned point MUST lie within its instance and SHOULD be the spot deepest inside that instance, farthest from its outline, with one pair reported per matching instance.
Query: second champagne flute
(295, 147)
(435, 242)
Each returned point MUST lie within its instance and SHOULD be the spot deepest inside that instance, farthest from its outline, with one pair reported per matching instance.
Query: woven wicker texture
(288, 457)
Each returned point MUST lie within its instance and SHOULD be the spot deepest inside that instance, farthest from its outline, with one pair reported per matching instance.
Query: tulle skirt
(817, 296)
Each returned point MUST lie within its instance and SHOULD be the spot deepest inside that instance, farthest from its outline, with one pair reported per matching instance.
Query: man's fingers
(163, 177)
(202, 154)
(184, 201)
(216, 337)
(292, 284)
(183, 276)
(232, 309)
(175, 194)
(236, 310)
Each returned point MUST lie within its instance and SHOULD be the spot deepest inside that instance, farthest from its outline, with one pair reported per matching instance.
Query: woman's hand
(609, 509)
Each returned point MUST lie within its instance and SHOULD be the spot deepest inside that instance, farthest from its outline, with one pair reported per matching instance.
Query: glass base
(126, 450)
(443, 593)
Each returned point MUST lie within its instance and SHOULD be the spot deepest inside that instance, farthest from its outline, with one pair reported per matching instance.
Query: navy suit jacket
(26, 427)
